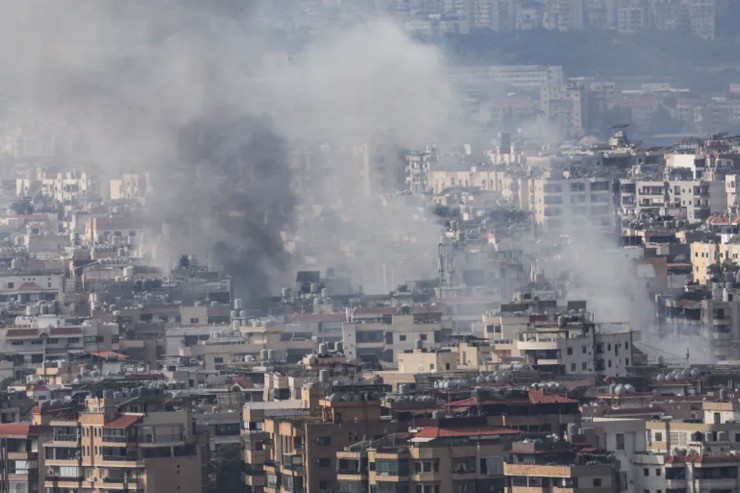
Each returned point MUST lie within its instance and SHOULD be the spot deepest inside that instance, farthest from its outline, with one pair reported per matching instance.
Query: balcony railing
(114, 439)
(65, 437)
(121, 458)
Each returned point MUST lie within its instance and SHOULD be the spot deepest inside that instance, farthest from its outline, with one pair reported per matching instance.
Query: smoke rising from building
(193, 93)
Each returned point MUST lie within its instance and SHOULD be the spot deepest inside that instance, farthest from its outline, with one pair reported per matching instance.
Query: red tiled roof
(123, 421)
(722, 220)
(65, 331)
(53, 331)
(22, 333)
(700, 459)
(22, 429)
(535, 397)
(49, 408)
(109, 355)
(470, 401)
(689, 304)
(437, 432)
(30, 287)
(242, 382)
(539, 397)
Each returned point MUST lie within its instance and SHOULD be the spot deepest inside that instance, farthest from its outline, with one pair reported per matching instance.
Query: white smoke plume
(190, 90)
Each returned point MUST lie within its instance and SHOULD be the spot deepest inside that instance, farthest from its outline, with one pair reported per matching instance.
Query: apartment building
(703, 18)
(720, 320)
(566, 106)
(570, 204)
(34, 345)
(551, 465)
(495, 15)
(525, 410)
(631, 18)
(298, 450)
(564, 15)
(605, 349)
(21, 454)
(122, 442)
(218, 345)
(384, 332)
(31, 286)
(517, 76)
(62, 187)
(427, 361)
(129, 186)
(462, 457)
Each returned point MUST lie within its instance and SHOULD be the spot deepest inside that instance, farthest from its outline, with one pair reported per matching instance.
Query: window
(572, 367)
(658, 436)
(570, 351)
(323, 441)
(583, 366)
(423, 337)
(583, 349)
(402, 338)
(646, 473)
(218, 360)
(657, 472)
(11, 285)
(597, 481)
(324, 462)
(194, 320)
(17, 343)
(620, 441)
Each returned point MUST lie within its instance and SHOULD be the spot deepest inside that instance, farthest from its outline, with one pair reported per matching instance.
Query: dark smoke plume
(228, 193)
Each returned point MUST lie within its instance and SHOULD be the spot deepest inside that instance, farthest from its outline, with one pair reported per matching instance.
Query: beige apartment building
(433, 459)
(295, 449)
(385, 334)
(22, 464)
(123, 443)
(704, 254)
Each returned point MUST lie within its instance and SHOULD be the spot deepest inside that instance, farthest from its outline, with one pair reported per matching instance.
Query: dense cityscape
(355, 246)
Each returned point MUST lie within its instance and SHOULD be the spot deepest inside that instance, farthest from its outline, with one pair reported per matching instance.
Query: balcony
(537, 345)
(66, 437)
(114, 483)
(22, 455)
(161, 441)
(255, 456)
(115, 439)
(128, 460)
